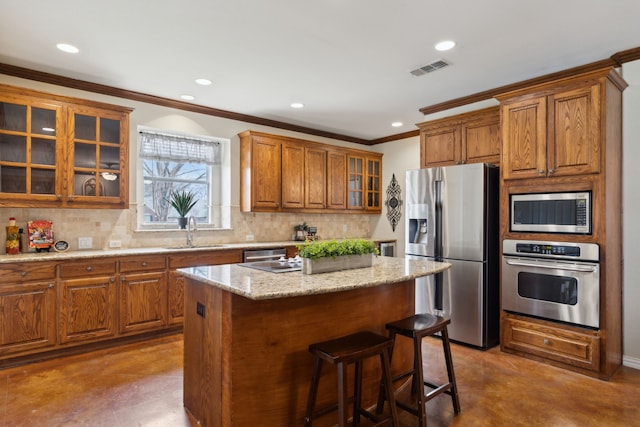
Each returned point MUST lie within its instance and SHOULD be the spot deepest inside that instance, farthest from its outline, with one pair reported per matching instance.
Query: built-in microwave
(568, 212)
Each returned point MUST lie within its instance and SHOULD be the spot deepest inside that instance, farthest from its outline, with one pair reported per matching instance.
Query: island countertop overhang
(261, 285)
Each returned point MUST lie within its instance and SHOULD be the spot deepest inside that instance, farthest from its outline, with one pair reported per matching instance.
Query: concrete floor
(141, 385)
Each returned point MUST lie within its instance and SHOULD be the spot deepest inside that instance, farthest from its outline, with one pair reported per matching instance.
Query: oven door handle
(568, 267)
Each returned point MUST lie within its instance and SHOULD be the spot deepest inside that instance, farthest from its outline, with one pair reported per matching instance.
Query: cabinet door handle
(23, 273)
(552, 171)
(50, 285)
(144, 263)
(113, 279)
(541, 171)
(89, 268)
(546, 341)
(59, 196)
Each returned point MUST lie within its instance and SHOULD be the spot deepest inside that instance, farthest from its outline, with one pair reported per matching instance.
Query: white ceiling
(348, 61)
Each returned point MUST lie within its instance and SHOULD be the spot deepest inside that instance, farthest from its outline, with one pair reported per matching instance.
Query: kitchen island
(247, 332)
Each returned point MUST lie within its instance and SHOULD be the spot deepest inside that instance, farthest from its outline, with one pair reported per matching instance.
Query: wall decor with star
(394, 202)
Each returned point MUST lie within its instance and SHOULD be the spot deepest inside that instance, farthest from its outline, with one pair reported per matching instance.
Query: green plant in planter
(336, 248)
(182, 201)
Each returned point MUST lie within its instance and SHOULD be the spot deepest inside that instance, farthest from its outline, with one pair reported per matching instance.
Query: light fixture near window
(109, 176)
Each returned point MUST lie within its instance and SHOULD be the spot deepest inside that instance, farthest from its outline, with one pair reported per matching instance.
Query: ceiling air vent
(435, 65)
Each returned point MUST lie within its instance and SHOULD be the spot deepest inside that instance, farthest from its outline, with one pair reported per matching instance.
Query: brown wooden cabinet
(260, 172)
(557, 131)
(282, 174)
(293, 175)
(176, 281)
(567, 136)
(62, 152)
(579, 348)
(464, 138)
(27, 307)
(365, 182)
(88, 300)
(315, 178)
(336, 179)
(143, 293)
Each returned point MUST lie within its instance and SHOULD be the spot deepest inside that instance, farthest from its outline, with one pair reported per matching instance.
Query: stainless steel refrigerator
(452, 216)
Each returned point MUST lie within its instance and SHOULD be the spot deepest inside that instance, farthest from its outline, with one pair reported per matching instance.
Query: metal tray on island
(272, 266)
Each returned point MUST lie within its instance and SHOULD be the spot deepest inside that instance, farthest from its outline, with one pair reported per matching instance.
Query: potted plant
(334, 255)
(182, 201)
(301, 231)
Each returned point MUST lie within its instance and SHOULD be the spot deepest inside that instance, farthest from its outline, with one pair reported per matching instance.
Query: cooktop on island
(280, 266)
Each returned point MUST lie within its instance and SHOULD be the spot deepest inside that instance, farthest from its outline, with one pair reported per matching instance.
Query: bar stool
(417, 327)
(342, 351)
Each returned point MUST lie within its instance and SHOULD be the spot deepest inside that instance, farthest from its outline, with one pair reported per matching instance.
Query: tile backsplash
(105, 225)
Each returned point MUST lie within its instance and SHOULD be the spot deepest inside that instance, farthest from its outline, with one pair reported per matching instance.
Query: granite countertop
(261, 285)
(99, 253)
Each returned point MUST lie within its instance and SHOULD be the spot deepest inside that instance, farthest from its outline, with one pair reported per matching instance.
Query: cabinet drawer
(231, 256)
(142, 264)
(558, 344)
(26, 271)
(90, 267)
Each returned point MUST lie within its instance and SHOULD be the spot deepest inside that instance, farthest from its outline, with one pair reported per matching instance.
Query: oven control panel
(552, 250)
(537, 249)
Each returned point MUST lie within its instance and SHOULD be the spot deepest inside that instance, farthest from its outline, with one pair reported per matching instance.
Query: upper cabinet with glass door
(98, 149)
(365, 181)
(30, 144)
(61, 152)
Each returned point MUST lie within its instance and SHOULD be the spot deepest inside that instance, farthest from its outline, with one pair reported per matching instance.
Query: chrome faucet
(190, 230)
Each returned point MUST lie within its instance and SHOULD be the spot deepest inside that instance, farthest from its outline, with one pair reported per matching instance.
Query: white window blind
(162, 146)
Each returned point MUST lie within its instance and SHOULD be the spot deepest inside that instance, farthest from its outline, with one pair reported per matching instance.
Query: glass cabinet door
(356, 182)
(374, 179)
(28, 150)
(97, 150)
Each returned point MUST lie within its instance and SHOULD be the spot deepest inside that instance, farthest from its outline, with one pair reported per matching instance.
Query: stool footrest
(444, 388)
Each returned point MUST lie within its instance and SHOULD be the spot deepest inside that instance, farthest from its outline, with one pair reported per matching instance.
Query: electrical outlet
(115, 243)
(85, 242)
(200, 310)
(249, 237)
(344, 227)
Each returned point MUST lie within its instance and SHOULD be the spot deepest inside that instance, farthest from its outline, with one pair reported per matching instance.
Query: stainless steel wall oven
(552, 280)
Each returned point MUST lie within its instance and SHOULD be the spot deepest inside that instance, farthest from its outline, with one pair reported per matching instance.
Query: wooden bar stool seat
(417, 327)
(341, 352)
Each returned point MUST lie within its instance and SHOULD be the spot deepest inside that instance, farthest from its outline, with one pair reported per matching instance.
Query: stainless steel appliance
(263, 254)
(273, 260)
(452, 215)
(552, 280)
(551, 212)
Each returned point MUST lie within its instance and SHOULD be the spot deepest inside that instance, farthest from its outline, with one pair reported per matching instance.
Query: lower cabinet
(176, 281)
(563, 346)
(143, 301)
(48, 308)
(175, 304)
(88, 308)
(27, 316)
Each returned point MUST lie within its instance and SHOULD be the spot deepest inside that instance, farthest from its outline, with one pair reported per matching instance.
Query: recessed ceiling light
(445, 45)
(396, 124)
(297, 105)
(188, 97)
(203, 82)
(67, 48)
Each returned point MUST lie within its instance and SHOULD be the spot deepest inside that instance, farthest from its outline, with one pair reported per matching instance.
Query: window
(171, 162)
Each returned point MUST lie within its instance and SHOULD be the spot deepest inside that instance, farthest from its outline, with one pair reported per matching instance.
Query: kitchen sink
(217, 245)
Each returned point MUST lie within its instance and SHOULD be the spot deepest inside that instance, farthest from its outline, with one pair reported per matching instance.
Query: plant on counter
(182, 201)
(336, 248)
(301, 231)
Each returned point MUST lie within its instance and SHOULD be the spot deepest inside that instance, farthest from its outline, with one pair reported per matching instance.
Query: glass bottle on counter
(13, 241)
